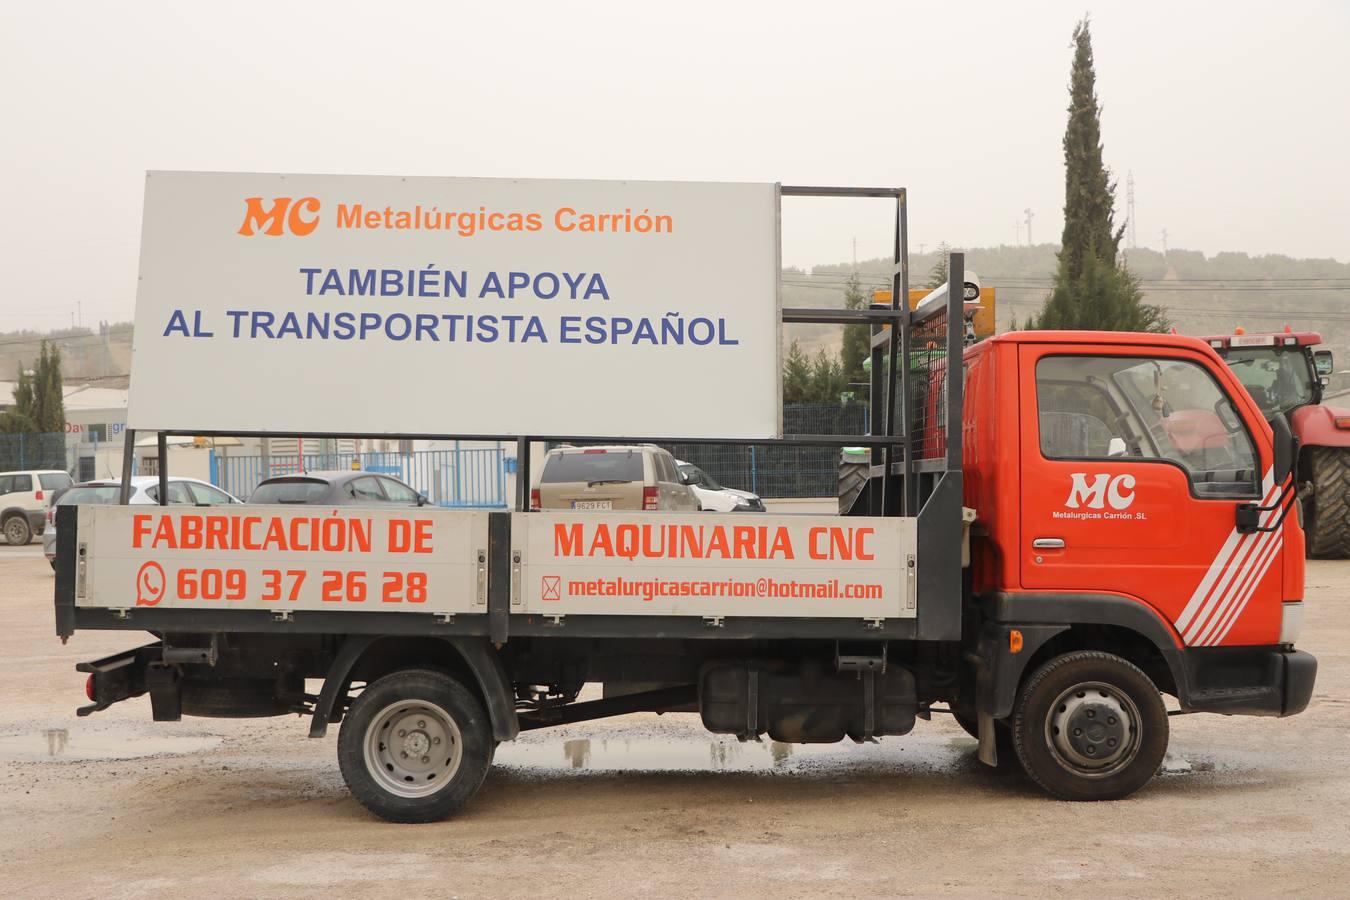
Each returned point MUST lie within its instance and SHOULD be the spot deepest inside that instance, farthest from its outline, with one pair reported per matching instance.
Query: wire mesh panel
(928, 386)
(455, 478)
(32, 451)
(783, 471)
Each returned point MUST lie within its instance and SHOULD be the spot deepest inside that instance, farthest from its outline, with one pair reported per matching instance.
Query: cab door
(1134, 461)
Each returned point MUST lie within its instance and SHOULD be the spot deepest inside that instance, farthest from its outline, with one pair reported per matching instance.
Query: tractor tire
(1329, 524)
(853, 478)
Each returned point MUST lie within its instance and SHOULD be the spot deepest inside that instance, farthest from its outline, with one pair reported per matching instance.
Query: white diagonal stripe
(1262, 568)
(1207, 594)
(1243, 569)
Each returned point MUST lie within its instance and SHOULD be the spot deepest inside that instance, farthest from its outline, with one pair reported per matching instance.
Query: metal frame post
(523, 474)
(128, 460)
(956, 345)
(162, 448)
(900, 355)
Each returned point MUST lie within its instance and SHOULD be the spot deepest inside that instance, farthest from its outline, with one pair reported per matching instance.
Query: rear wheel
(1090, 726)
(415, 746)
(1329, 525)
(17, 532)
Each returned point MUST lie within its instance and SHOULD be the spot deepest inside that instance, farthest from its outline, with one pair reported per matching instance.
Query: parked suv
(633, 476)
(24, 498)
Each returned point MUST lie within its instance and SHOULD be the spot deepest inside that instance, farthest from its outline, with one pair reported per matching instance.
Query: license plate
(592, 504)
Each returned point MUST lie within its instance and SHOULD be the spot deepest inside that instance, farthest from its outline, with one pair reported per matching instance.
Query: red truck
(1286, 375)
(1130, 540)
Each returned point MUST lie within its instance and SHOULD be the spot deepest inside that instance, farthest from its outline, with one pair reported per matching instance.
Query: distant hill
(86, 353)
(1202, 295)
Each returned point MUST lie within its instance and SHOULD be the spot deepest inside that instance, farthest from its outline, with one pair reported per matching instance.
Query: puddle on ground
(729, 755)
(60, 744)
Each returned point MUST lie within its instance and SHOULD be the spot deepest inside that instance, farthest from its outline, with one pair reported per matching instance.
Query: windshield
(1278, 379)
(102, 494)
(706, 480)
(290, 491)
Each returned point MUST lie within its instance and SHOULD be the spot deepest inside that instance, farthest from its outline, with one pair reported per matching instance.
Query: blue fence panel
(452, 478)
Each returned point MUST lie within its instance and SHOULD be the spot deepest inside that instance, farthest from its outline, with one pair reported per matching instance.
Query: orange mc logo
(282, 216)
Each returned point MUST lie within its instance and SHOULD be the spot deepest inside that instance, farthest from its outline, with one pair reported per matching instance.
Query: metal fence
(783, 471)
(455, 478)
(32, 451)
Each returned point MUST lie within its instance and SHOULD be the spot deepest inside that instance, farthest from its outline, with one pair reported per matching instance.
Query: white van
(24, 498)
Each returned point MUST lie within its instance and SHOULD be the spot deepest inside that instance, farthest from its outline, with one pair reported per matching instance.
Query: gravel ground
(118, 806)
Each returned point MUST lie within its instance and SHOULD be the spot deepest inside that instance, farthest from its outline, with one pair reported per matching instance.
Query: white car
(24, 500)
(144, 491)
(712, 496)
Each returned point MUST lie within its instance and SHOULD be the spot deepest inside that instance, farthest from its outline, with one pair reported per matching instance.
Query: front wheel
(415, 746)
(1090, 726)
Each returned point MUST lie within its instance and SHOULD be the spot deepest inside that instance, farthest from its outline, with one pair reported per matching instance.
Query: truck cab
(1127, 486)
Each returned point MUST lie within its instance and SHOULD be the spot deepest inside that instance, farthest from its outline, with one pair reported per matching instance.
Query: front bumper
(1248, 681)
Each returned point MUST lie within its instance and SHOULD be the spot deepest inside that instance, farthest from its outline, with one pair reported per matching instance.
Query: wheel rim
(1093, 729)
(14, 531)
(413, 748)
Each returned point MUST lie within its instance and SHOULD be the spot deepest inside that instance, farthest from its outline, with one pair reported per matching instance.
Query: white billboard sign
(638, 564)
(331, 304)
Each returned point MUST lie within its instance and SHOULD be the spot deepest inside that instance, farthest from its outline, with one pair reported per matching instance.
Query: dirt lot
(116, 806)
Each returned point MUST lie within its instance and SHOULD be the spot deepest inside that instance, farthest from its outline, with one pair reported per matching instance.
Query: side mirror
(1323, 362)
(691, 478)
(1116, 447)
(423, 499)
(1285, 448)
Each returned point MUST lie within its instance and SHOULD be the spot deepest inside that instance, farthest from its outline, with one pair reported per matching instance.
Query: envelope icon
(551, 589)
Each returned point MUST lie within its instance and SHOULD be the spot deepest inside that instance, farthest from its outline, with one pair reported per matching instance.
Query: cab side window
(1144, 408)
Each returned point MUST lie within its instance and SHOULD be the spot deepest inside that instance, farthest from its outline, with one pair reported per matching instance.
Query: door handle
(1048, 544)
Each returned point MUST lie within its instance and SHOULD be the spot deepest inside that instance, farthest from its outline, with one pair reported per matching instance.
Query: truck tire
(17, 531)
(1329, 528)
(1090, 726)
(415, 746)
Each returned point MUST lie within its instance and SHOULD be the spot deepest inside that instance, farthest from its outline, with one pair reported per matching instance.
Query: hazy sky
(1232, 116)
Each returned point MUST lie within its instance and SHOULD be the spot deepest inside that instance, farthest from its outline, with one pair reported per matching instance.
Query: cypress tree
(796, 375)
(857, 338)
(1092, 290)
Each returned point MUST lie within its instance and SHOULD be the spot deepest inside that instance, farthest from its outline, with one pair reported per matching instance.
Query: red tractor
(1284, 374)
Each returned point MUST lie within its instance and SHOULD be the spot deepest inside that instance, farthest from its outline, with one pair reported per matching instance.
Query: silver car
(144, 491)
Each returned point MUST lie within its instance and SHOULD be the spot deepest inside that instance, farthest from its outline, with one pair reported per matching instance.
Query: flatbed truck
(1131, 540)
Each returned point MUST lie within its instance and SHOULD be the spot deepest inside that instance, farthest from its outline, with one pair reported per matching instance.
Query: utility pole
(921, 246)
(1129, 210)
(855, 256)
(1017, 224)
(1164, 239)
(1030, 215)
